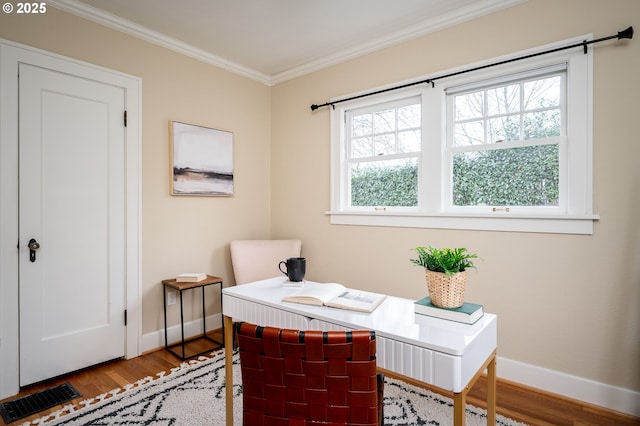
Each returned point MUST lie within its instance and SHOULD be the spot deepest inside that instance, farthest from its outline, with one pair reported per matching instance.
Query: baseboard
(614, 398)
(155, 340)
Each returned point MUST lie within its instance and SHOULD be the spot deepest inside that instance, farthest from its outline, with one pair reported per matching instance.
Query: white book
(336, 296)
(190, 277)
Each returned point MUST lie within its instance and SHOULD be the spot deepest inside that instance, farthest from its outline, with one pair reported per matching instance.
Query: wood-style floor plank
(515, 401)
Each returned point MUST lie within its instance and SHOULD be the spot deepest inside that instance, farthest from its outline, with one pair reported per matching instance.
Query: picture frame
(201, 160)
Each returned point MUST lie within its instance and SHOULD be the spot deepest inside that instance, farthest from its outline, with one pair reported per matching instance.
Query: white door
(72, 203)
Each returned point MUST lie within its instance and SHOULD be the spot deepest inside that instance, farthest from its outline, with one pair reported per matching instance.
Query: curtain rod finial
(628, 33)
(314, 107)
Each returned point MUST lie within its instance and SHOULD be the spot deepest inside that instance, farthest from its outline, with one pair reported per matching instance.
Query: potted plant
(446, 273)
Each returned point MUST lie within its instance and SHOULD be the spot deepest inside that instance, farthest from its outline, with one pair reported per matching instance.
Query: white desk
(442, 353)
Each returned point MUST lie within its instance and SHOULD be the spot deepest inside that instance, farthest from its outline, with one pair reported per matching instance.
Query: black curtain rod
(628, 33)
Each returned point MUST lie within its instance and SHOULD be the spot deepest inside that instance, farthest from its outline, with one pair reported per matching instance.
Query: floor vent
(39, 401)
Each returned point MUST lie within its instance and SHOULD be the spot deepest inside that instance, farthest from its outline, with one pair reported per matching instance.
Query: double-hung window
(502, 148)
(383, 146)
(505, 142)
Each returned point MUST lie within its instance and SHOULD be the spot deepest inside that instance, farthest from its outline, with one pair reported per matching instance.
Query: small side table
(180, 287)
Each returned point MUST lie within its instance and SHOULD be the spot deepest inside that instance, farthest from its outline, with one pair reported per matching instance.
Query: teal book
(468, 313)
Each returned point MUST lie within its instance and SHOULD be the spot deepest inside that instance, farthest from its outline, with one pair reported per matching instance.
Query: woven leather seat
(292, 377)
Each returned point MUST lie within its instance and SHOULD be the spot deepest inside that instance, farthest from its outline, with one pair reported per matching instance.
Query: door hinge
(125, 317)
(125, 118)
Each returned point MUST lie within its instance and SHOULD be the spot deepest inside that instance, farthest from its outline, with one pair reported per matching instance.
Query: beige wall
(564, 302)
(179, 234)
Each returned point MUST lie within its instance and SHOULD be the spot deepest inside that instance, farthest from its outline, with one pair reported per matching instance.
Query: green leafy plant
(447, 260)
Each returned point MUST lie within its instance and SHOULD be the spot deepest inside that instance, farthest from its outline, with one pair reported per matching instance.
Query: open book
(336, 296)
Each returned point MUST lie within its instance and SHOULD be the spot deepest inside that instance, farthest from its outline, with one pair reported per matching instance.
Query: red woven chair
(292, 377)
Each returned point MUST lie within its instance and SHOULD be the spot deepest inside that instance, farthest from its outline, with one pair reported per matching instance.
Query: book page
(315, 293)
(357, 300)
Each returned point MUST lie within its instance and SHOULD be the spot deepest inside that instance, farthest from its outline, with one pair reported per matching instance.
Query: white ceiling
(274, 40)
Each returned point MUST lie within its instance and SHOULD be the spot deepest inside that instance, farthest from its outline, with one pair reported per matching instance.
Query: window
(502, 148)
(383, 147)
(504, 142)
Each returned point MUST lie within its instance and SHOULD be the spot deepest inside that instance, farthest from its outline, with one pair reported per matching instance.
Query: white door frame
(11, 54)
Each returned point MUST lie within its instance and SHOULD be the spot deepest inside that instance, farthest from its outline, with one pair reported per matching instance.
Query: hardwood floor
(514, 401)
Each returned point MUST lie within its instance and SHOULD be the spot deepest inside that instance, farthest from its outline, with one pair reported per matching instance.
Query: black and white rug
(194, 394)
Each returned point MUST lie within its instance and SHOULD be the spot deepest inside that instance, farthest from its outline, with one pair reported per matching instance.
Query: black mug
(296, 267)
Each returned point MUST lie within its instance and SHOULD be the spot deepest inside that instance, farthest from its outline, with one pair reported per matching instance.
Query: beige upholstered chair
(255, 260)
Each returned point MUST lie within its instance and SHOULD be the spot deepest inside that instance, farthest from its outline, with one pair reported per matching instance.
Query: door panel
(72, 201)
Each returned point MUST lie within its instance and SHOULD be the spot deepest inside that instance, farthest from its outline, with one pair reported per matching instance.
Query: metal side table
(181, 287)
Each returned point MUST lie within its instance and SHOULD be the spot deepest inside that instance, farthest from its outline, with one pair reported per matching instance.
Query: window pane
(526, 176)
(467, 134)
(409, 117)
(385, 183)
(409, 141)
(503, 100)
(384, 121)
(384, 144)
(469, 106)
(362, 125)
(542, 93)
(361, 147)
(504, 129)
(542, 124)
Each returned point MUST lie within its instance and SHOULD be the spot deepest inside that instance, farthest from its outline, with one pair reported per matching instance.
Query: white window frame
(561, 141)
(345, 172)
(434, 210)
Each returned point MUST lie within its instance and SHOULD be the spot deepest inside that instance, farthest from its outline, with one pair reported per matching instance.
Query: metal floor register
(39, 401)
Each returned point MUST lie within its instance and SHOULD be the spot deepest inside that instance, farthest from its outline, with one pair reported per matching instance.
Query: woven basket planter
(446, 291)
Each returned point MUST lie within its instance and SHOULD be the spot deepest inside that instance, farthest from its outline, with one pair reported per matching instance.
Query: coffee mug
(296, 267)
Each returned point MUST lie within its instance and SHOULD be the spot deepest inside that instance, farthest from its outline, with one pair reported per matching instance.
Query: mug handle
(280, 267)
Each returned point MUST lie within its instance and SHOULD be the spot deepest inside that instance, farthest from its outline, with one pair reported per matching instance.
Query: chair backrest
(255, 260)
(292, 376)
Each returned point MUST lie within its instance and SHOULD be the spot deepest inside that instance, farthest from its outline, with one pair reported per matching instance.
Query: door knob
(33, 246)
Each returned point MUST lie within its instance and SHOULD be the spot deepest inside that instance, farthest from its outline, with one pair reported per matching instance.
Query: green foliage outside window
(507, 177)
(391, 186)
(527, 176)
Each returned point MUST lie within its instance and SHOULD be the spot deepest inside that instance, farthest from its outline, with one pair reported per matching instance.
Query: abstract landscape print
(201, 160)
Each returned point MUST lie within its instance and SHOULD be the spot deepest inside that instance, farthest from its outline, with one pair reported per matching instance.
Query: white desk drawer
(399, 357)
(242, 310)
(405, 359)
(315, 324)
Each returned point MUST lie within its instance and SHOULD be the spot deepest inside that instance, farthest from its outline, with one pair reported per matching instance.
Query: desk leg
(460, 399)
(459, 407)
(491, 391)
(228, 366)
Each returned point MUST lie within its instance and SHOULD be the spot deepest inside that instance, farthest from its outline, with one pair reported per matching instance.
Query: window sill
(574, 224)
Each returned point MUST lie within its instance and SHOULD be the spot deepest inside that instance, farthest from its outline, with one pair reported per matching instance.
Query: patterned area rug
(194, 394)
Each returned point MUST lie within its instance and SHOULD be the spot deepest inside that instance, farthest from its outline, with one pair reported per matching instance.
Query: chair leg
(380, 399)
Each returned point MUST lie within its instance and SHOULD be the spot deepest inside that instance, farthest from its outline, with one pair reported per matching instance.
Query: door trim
(11, 55)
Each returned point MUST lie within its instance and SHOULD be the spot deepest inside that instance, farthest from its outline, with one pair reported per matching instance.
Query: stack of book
(468, 313)
(190, 277)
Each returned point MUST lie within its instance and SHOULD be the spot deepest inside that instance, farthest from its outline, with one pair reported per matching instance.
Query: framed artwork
(201, 160)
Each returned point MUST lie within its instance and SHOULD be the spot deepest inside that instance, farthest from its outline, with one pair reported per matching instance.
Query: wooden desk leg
(228, 367)
(460, 407)
(460, 399)
(491, 391)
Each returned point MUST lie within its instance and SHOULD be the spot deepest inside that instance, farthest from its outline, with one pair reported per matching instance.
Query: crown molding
(438, 23)
(109, 20)
(412, 32)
